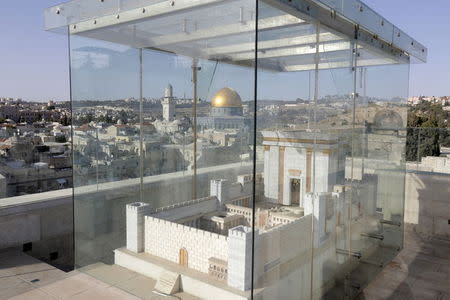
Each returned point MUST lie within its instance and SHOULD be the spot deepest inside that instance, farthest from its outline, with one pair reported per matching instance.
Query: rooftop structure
(226, 98)
(315, 195)
(226, 112)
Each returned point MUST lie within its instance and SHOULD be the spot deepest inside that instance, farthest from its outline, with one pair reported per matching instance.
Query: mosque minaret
(168, 104)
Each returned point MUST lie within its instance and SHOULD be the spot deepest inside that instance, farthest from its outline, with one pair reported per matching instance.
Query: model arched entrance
(183, 258)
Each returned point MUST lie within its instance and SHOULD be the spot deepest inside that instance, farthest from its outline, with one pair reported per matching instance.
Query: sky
(34, 63)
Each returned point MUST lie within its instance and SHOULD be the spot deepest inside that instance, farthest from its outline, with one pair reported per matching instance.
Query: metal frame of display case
(290, 38)
(351, 19)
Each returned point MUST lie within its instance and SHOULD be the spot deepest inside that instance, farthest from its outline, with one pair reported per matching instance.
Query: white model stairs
(168, 283)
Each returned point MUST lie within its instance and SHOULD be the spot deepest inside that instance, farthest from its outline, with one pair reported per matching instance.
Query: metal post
(418, 149)
(141, 126)
(354, 97)
(364, 79)
(255, 119)
(194, 124)
(96, 155)
(313, 179)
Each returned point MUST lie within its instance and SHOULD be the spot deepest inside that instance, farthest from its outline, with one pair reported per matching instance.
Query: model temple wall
(135, 225)
(187, 208)
(166, 239)
(304, 226)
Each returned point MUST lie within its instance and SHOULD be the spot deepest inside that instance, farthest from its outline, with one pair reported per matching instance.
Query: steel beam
(293, 51)
(272, 44)
(338, 65)
(142, 14)
(226, 30)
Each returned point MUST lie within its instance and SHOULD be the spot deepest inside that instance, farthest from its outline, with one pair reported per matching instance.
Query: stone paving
(23, 277)
(420, 271)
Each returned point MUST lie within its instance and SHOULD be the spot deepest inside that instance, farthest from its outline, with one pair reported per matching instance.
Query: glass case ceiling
(223, 30)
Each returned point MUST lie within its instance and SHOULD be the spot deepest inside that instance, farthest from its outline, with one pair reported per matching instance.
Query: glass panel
(105, 101)
(166, 175)
(169, 178)
(374, 148)
(336, 209)
(167, 128)
(286, 120)
(383, 93)
(319, 221)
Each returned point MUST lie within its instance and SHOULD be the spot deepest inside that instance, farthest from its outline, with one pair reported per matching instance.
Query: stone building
(297, 163)
(226, 112)
(168, 104)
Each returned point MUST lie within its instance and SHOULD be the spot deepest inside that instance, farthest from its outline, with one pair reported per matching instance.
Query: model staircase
(168, 283)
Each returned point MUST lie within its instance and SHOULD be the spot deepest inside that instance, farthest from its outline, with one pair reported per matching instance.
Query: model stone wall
(227, 191)
(243, 211)
(165, 239)
(427, 205)
(240, 257)
(135, 225)
(282, 257)
(186, 209)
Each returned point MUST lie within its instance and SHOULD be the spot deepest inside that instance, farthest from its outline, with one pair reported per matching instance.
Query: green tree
(427, 130)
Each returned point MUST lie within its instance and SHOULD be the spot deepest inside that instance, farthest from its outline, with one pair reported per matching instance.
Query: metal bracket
(389, 222)
(373, 236)
(356, 254)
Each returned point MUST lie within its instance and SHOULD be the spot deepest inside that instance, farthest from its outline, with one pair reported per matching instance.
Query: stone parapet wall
(427, 204)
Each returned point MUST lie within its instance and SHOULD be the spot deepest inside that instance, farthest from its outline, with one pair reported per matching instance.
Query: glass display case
(238, 149)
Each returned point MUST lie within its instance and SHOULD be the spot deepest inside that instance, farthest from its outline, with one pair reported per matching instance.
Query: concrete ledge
(192, 282)
(21, 204)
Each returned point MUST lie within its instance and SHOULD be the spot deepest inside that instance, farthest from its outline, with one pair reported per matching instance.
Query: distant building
(226, 112)
(169, 124)
(433, 164)
(168, 104)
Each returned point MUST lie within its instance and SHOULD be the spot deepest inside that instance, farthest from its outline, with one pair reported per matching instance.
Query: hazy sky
(34, 63)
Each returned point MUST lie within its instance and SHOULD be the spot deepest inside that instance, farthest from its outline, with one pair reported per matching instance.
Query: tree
(427, 130)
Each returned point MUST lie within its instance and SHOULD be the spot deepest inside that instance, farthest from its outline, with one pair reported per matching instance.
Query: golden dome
(226, 97)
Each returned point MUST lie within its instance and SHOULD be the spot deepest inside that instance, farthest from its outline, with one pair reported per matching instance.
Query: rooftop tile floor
(420, 271)
(24, 277)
